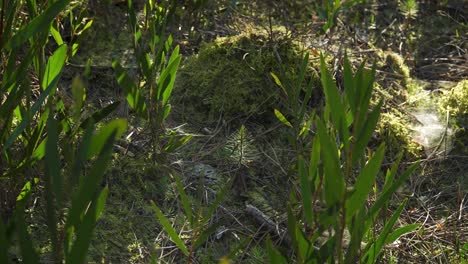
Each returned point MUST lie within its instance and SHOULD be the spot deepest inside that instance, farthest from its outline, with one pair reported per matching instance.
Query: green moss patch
(231, 76)
(455, 101)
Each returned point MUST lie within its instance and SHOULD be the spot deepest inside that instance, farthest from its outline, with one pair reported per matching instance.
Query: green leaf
(205, 234)
(399, 232)
(132, 93)
(278, 82)
(53, 181)
(79, 95)
(101, 203)
(84, 233)
(282, 118)
(314, 159)
(333, 103)
(56, 35)
(332, 97)
(25, 242)
(375, 250)
(334, 183)
(100, 114)
(117, 126)
(219, 198)
(350, 86)
(39, 24)
(362, 139)
(169, 229)
(167, 77)
(302, 72)
(38, 103)
(90, 183)
(184, 199)
(385, 195)
(364, 183)
(306, 190)
(274, 256)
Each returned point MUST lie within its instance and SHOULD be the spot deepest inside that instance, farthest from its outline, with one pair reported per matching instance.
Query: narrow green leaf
(25, 242)
(356, 234)
(399, 232)
(205, 234)
(278, 82)
(132, 93)
(184, 199)
(375, 250)
(39, 24)
(366, 133)
(302, 71)
(84, 233)
(333, 104)
(292, 226)
(89, 184)
(282, 118)
(364, 183)
(219, 198)
(100, 114)
(385, 196)
(117, 126)
(334, 183)
(53, 181)
(167, 111)
(314, 159)
(79, 95)
(36, 106)
(167, 77)
(390, 176)
(332, 97)
(274, 256)
(101, 203)
(86, 27)
(306, 190)
(56, 35)
(169, 229)
(350, 86)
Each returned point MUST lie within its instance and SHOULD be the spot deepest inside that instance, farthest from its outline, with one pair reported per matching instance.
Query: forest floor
(422, 75)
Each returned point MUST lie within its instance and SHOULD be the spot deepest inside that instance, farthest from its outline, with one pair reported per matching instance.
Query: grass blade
(169, 229)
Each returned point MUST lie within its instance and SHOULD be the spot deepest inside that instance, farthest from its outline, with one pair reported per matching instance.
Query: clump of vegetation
(395, 131)
(231, 76)
(456, 103)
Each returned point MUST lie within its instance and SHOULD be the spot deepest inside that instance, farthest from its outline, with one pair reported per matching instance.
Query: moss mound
(455, 101)
(230, 76)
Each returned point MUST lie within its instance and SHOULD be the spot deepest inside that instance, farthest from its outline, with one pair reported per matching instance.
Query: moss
(395, 62)
(231, 76)
(455, 101)
(395, 131)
